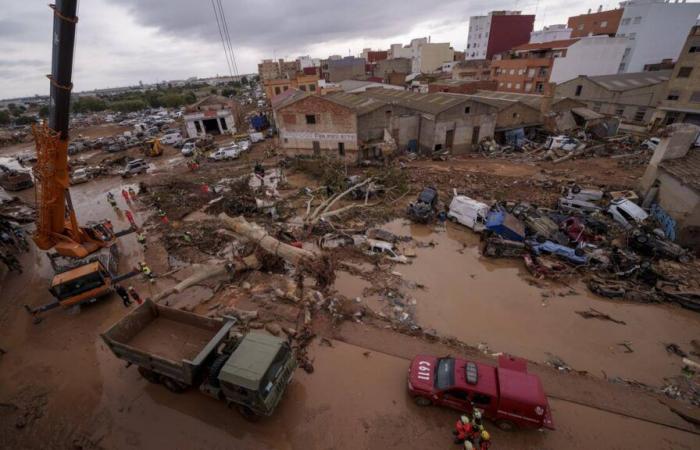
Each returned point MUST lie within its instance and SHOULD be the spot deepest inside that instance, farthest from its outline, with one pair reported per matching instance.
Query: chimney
(600, 8)
(547, 97)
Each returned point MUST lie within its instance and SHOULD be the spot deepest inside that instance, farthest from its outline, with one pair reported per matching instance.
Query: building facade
(497, 32)
(270, 70)
(300, 81)
(681, 102)
(594, 55)
(551, 33)
(633, 97)
(477, 69)
(594, 24)
(655, 30)
(348, 68)
(211, 115)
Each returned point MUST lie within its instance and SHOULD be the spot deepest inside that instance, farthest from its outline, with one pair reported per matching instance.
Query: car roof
(486, 382)
(380, 244)
(463, 199)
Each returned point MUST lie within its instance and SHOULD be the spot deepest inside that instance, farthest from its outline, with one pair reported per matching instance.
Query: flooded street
(488, 301)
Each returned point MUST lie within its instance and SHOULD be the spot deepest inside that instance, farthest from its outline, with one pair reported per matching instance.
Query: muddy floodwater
(489, 301)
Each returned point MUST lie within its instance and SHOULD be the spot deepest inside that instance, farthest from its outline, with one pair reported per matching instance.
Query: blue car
(575, 256)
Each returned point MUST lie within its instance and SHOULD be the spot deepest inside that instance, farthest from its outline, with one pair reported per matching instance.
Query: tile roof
(287, 97)
(358, 103)
(685, 169)
(629, 81)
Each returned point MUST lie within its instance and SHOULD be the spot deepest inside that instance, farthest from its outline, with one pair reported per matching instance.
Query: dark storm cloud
(291, 25)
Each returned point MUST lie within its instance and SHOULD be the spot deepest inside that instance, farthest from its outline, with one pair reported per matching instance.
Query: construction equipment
(87, 276)
(152, 148)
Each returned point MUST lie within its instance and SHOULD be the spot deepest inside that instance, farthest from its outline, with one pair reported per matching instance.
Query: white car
(188, 149)
(626, 213)
(468, 212)
(171, 138)
(225, 153)
(561, 142)
(79, 176)
(385, 249)
(244, 145)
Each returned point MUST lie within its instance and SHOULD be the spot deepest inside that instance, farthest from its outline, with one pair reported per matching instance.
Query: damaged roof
(685, 169)
(429, 103)
(531, 100)
(628, 81)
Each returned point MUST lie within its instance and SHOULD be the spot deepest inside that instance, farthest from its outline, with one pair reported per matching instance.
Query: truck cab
(506, 394)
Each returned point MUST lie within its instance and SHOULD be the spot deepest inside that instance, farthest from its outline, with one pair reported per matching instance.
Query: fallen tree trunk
(254, 233)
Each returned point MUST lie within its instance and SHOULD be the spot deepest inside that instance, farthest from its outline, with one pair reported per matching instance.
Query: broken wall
(463, 124)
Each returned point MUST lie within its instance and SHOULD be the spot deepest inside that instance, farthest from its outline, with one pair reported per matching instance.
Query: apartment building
(270, 70)
(300, 81)
(681, 101)
(497, 32)
(595, 23)
(551, 33)
(655, 30)
(425, 56)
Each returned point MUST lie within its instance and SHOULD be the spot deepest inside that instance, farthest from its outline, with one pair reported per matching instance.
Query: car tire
(684, 259)
(149, 375)
(173, 385)
(641, 238)
(422, 401)
(505, 425)
(579, 252)
(576, 189)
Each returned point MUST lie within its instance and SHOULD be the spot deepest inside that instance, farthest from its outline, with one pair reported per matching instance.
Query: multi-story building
(409, 51)
(655, 30)
(592, 55)
(557, 32)
(348, 68)
(472, 70)
(594, 24)
(425, 56)
(306, 62)
(384, 68)
(497, 32)
(373, 56)
(528, 67)
(681, 102)
(300, 81)
(270, 70)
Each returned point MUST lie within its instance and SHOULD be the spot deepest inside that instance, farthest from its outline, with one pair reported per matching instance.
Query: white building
(478, 34)
(592, 56)
(425, 56)
(655, 30)
(307, 61)
(409, 51)
(551, 33)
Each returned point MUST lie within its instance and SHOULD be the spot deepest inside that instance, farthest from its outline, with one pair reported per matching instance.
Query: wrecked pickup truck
(183, 350)
(424, 208)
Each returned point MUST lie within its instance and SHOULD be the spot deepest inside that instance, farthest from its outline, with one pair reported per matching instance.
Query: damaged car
(423, 210)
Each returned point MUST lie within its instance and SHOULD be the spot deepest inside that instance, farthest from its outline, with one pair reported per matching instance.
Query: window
(632, 36)
(455, 394)
(517, 85)
(673, 95)
(515, 115)
(312, 87)
(694, 49)
(467, 110)
(531, 73)
(619, 111)
(637, 20)
(310, 119)
(510, 85)
(286, 88)
(627, 53)
(542, 72)
(625, 22)
(580, 27)
(604, 24)
(639, 115)
(481, 399)
(684, 72)
(539, 87)
(579, 88)
(302, 87)
(277, 90)
(695, 97)
(341, 148)
(521, 71)
(512, 71)
(501, 84)
(528, 87)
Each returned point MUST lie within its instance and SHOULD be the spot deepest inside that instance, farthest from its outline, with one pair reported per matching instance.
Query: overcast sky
(122, 42)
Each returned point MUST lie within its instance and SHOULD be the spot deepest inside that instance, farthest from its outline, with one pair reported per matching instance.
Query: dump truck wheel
(248, 414)
(149, 375)
(174, 386)
(505, 425)
(422, 401)
(215, 369)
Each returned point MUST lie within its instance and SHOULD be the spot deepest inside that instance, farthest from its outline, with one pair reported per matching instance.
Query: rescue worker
(477, 425)
(463, 429)
(132, 194)
(485, 442)
(187, 237)
(125, 194)
(163, 216)
(135, 295)
(147, 273)
(130, 218)
(141, 238)
(123, 294)
(111, 200)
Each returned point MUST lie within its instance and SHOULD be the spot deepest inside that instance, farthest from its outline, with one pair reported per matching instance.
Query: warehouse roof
(287, 98)
(629, 81)
(358, 103)
(429, 103)
(685, 169)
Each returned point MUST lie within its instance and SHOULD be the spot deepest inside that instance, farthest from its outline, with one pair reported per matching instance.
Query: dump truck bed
(165, 340)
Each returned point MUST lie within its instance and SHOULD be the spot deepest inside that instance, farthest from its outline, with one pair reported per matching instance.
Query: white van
(224, 153)
(256, 137)
(469, 212)
(572, 206)
(626, 212)
(171, 138)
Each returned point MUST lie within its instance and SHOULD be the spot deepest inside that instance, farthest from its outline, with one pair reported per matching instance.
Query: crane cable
(223, 42)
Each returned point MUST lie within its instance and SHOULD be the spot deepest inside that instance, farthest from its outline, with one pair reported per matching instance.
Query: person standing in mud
(130, 218)
(125, 194)
(111, 200)
(121, 292)
(135, 295)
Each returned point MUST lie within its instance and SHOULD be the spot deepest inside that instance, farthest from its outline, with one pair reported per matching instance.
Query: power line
(228, 37)
(223, 42)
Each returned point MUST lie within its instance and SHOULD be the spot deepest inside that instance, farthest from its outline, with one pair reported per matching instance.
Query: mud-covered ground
(60, 387)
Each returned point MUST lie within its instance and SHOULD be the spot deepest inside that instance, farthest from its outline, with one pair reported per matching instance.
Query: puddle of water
(486, 300)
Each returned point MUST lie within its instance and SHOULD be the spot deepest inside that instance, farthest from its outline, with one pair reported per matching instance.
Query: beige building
(633, 97)
(270, 70)
(681, 102)
(432, 56)
(299, 81)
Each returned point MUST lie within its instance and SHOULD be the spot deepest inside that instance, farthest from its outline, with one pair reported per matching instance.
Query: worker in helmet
(477, 426)
(135, 295)
(147, 273)
(111, 200)
(141, 238)
(485, 440)
(463, 429)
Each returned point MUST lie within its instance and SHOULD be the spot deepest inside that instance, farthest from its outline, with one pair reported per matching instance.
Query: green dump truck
(183, 350)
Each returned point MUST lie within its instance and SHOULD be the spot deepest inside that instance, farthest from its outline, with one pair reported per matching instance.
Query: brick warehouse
(352, 126)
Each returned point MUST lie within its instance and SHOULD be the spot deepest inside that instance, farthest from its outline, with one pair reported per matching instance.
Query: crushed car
(424, 209)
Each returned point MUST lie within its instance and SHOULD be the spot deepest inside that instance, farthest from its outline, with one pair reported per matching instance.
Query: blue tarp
(259, 122)
(516, 137)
